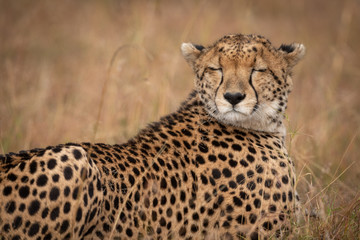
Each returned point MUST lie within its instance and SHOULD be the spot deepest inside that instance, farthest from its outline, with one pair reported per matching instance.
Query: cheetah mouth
(233, 112)
(236, 111)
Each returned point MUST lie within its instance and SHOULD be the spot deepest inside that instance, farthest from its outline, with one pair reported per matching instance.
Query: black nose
(234, 98)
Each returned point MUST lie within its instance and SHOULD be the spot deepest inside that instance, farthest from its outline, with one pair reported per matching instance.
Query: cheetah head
(243, 80)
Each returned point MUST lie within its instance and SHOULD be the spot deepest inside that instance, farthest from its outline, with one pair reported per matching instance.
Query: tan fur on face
(249, 65)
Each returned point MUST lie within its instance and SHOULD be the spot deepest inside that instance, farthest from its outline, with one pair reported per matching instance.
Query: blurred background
(74, 71)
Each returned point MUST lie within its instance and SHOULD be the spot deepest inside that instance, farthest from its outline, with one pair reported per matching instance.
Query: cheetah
(217, 168)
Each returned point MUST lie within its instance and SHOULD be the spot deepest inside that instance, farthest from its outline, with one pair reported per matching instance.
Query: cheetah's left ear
(191, 52)
(292, 53)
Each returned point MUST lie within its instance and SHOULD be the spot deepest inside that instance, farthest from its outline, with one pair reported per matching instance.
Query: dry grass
(100, 70)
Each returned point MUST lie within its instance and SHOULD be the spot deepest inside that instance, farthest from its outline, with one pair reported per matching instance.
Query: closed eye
(260, 70)
(214, 69)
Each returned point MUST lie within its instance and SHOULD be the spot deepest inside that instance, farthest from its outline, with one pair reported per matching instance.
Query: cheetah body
(203, 172)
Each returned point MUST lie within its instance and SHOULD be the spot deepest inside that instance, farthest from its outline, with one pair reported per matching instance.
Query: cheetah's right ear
(292, 53)
(191, 52)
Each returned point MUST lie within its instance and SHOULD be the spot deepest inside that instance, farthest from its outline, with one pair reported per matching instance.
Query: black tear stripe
(222, 79)
(256, 95)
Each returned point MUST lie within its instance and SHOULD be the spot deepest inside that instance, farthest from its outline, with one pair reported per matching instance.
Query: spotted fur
(215, 169)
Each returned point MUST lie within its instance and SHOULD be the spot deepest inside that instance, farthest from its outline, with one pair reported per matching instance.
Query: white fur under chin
(257, 120)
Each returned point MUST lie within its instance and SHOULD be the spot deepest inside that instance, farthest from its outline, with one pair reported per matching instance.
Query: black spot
(163, 183)
(42, 180)
(252, 218)
(54, 214)
(77, 154)
(250, 158)
(240, 179)
(290, 196)
(268, 183)
(251, 185)
(212, 158)
(232, 163)
(176, 143)
(131, 180)
(232, 184)
(55, 177)
(17, 222)
(129, 232)
(204, 179)
(254, 236)
(64, 158)
(24, 179)
(267, 226)
(194, 228)
(237, 201)
(54, 194)
(162, 222)
(16, 237)
(34, 207)
(216, 173)
(22, 207)
(45, 212)
(222, 157)
(10, 207)
(248, 208)
(285, 179)
(244, 195)
(236, 147)
(24, 191)
(12, 177)
(79, 214)
(281, 216)
(226, 172)
(243, 163)
(272, 208)
(75, 193)
(224, 144)
(33, 167)
(259, 169)
(136, 171)
(33, 230)
(200, 159)
(67, 207)
(163, 200)
(241, 219)
(51, 164)
(257, 203)
(64, 226)
(6, 228)
(252, 150)
(182, 231)
(215, 143)
(203, 148)
(250, 173)
(68, 173)
(66, 191)
(276, 196)
(283, 196)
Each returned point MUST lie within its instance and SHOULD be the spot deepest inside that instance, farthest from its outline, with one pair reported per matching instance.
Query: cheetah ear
(191, 52)
(292, 53)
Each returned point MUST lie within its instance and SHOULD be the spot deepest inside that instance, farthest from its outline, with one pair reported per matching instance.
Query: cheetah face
(243, 79)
